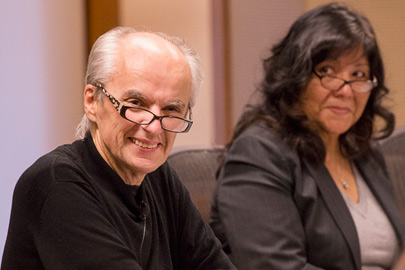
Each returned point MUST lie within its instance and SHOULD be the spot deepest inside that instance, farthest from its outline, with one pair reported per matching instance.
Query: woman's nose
(346, 90)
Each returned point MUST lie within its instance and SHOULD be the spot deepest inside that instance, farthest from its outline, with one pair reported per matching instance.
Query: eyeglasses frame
(374, 82)
(121, 109)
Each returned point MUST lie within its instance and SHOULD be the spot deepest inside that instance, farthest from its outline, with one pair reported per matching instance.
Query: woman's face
(334, 112)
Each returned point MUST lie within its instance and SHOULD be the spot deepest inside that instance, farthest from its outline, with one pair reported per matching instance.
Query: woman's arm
(256, 206)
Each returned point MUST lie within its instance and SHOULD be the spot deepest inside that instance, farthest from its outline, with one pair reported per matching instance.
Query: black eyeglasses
(334, 83)
(142, 116)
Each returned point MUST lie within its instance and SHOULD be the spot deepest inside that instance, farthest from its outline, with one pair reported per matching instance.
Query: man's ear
(90, 101)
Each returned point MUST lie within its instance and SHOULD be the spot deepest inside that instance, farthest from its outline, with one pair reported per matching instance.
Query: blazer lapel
(337, 207)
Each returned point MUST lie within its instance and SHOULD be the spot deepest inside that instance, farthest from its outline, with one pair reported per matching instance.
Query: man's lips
(144, 145)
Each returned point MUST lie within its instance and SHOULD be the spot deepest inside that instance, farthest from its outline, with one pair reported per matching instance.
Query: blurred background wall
(42, 57)
(44, 45)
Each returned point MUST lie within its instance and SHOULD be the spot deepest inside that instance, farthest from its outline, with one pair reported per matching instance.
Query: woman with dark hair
(302, 185)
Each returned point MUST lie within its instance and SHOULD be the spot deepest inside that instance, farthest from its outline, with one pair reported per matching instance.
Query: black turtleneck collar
(133, 196)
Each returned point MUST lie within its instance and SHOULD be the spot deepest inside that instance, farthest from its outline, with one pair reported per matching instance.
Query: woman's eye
(325, 70)
(359, 74)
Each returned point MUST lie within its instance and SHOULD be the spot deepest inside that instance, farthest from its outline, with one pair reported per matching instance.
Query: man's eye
(173, 110)
(135, 102)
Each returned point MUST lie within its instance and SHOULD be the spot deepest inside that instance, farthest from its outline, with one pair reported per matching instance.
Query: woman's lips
(339, 110)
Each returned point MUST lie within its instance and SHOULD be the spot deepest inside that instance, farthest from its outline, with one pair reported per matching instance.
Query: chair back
(197, 167)
(393, 150)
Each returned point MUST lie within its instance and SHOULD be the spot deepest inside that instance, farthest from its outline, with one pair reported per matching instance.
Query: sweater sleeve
(74, 231)
(255, 202)
(198, 248)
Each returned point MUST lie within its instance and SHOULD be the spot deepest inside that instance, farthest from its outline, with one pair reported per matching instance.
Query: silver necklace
(344, 183)
(342, 180)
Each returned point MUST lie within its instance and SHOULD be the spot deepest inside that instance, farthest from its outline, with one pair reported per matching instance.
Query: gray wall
(41, 72)
(254, 27)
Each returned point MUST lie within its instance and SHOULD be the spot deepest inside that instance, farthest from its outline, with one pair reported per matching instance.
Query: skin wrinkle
(158, 72)
(135, 94)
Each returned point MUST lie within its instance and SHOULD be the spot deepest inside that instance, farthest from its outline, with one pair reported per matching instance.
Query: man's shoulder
(62, 155)
(165, 182)
(163, 176)
(43, 170)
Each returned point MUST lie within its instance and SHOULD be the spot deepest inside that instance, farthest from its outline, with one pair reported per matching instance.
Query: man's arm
(75, 233)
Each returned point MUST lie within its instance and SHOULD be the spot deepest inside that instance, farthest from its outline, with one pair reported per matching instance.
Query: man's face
(154, 75)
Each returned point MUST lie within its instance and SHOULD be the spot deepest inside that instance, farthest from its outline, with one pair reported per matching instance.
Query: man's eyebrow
(137, 94)
(134, 93)
(177, 103)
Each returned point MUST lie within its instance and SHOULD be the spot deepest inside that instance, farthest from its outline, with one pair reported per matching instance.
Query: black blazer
(275, 210)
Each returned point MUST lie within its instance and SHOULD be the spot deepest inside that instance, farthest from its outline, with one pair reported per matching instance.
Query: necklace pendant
(344, 184)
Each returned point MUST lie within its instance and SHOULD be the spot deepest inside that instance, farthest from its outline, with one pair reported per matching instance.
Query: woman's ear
(90, 101)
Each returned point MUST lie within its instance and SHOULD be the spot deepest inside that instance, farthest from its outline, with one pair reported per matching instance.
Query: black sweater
(72, 211)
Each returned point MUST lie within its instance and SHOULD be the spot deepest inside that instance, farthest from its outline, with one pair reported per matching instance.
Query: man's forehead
(137, 49)
(152, 43)
(146, 61)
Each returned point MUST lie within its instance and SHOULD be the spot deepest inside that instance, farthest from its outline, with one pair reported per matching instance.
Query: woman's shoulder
(261, 145)
(259, 135)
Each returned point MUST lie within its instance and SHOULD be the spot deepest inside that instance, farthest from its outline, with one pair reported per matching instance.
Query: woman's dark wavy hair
(326, 31)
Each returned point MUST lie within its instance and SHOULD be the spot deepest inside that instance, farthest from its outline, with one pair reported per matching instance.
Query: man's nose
(155, 126)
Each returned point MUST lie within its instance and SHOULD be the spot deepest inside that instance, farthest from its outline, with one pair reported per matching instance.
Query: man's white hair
(105, 53)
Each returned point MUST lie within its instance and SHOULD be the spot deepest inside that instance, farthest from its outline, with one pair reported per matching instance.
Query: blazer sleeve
(254, 199)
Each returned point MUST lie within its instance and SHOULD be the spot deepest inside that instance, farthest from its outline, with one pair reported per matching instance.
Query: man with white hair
(109, 200)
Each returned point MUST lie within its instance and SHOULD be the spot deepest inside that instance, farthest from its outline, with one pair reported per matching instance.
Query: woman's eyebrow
(362, 64)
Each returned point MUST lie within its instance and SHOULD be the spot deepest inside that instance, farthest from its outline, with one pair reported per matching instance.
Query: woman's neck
(340, 169)
(332, 146)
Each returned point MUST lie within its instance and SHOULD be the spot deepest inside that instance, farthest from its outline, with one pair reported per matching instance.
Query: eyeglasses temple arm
(190, 113)
(115, 102)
